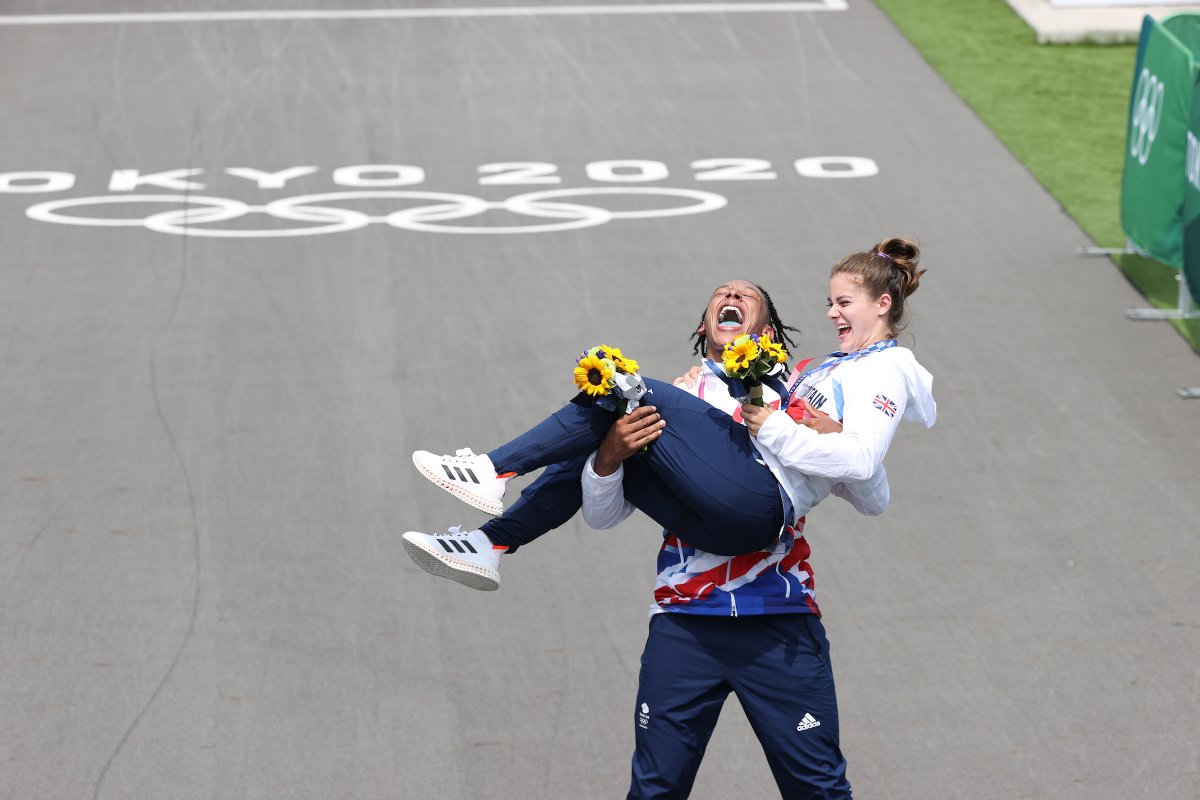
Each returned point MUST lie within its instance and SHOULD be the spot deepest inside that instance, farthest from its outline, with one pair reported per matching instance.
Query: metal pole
(1186, 308)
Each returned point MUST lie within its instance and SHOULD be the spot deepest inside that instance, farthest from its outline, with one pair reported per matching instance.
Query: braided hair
(700, 348)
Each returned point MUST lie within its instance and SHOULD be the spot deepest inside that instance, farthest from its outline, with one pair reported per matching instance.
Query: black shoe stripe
(445, 546)
(449, 474)
(461, 477)
(472, 474)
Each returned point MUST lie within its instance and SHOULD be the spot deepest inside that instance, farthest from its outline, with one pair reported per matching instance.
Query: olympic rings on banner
(199, 213)
(1146, 116)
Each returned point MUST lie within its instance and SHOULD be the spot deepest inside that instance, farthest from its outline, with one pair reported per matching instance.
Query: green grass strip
(1060, 109)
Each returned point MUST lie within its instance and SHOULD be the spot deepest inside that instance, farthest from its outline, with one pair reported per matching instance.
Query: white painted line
(420, 13)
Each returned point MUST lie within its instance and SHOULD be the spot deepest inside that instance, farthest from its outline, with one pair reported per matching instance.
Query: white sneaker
(468, 477)
(466, 557)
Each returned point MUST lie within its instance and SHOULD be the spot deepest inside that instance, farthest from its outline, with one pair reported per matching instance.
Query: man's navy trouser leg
(777, 665)
(701, 479)
(544, 505)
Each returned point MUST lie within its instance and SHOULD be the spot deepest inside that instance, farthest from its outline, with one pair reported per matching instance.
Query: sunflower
(739, 354)
(773, 349)
(619, 359)
(627, 365)
(594, 375)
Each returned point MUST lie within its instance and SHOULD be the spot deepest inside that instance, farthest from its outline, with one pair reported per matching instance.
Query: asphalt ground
(208, 404)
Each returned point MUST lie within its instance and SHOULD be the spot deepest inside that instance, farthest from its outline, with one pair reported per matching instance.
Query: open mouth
(842, 330)
(729, 318)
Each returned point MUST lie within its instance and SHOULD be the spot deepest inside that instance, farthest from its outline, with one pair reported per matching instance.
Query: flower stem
(756, 394)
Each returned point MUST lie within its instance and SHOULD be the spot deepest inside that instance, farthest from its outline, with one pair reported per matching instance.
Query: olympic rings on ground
(219, 208)
(526, 203)
(200, 212)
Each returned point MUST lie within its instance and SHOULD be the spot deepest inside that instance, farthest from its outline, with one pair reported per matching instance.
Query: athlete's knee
(654, 778)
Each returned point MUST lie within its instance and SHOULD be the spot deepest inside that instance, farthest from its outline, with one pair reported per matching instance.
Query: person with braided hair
(750, 625)
(726, 319)
(702, 479)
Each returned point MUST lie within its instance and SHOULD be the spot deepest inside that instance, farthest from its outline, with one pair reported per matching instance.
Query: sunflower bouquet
(748, 359)
(609, 378)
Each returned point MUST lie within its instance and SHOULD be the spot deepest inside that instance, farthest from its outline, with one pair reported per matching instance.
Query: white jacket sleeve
(604, 503)
(869, 497)
(867, 429)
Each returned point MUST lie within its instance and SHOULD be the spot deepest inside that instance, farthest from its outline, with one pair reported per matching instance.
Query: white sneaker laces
(462, 456)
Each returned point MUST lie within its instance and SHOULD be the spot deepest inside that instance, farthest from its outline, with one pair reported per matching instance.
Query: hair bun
(899, 249)
(904, 256)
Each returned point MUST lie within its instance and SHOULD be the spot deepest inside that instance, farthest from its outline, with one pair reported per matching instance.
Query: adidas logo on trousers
(809, 721)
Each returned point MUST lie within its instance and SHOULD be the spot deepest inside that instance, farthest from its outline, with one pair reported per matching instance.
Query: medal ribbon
(834, 359)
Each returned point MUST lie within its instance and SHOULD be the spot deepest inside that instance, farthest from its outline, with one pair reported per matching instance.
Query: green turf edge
(1060, 109)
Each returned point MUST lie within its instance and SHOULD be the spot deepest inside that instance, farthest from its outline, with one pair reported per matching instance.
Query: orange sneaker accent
(506, 475)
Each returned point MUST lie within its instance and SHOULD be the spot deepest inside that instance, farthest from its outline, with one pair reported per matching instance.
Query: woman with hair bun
(870, 384)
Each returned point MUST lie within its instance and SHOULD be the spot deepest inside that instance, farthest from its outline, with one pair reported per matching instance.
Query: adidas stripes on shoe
(468, 477)
(467, 557)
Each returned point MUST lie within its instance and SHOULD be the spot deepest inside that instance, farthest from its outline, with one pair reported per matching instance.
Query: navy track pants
(700, 480)
(777, 665)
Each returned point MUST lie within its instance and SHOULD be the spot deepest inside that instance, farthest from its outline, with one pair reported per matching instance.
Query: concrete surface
(205, 464)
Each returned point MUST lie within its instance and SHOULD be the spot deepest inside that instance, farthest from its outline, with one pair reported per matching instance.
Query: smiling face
(735, 308)
(860, 320)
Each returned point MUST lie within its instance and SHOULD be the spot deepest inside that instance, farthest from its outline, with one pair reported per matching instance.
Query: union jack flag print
(885, 405)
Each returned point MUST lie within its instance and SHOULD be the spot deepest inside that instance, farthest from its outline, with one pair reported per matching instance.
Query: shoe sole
(487, 506)
(466, 574)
